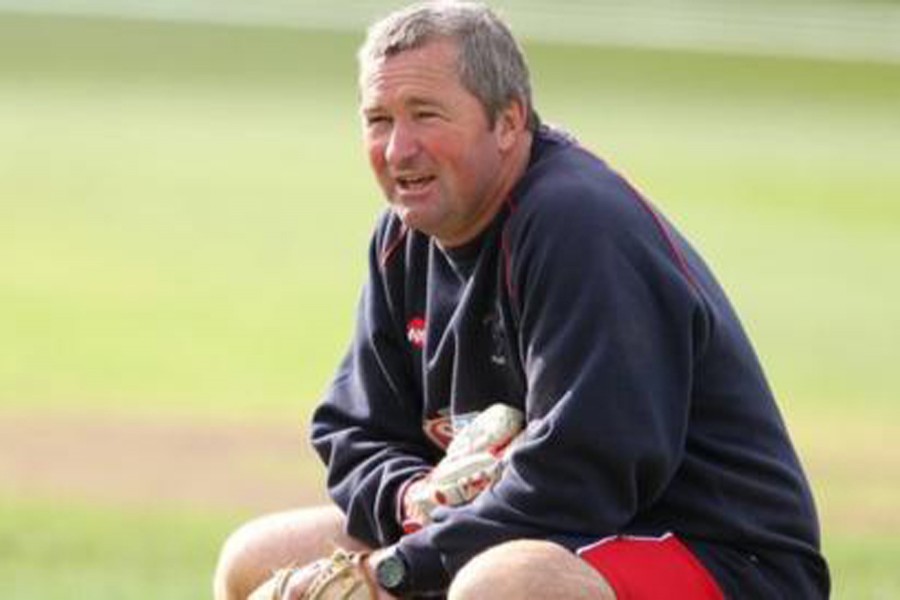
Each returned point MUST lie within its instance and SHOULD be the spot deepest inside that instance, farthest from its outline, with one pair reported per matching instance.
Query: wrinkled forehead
(426, 76)
(373, 61)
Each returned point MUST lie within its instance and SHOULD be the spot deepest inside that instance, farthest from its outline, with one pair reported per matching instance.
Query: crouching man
(547, 394)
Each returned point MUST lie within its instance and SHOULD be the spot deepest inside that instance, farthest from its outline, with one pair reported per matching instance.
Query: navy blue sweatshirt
(647, 409)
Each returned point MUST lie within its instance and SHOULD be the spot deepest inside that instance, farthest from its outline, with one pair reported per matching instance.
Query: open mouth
(414, 184)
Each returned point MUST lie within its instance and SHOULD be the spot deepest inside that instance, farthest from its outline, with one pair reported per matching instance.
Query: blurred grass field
(184, 212)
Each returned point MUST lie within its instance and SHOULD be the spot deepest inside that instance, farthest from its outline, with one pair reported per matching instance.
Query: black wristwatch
(392, 573)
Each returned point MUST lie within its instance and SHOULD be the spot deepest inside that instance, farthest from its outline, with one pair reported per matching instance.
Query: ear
(510, 125)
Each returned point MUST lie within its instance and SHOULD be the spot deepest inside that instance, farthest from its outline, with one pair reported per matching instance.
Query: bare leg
(274, 541)
(527, 569)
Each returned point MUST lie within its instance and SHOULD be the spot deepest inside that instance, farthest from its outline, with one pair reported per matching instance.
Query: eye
(426, 115)
(376, 120)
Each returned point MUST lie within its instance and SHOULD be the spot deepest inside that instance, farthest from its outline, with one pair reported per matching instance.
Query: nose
(402, 144)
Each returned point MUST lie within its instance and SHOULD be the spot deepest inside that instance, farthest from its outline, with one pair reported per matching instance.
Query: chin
(411, 219)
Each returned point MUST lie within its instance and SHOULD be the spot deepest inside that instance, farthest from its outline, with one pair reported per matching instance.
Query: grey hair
(490, 62)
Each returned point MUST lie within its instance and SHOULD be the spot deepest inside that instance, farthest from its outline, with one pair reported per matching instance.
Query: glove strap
(342, 563)
(282, 577)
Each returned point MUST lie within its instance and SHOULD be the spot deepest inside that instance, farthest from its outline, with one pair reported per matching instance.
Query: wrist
(410, 516)
(390, 571)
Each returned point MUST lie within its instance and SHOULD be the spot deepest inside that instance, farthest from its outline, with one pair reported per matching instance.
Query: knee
(528, 569)
(232, 578)
(250, 554)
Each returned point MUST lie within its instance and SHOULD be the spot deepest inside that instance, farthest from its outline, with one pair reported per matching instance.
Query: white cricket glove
(474, 462)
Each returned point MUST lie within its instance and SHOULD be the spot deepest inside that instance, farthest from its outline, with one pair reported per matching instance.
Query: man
(515, 269)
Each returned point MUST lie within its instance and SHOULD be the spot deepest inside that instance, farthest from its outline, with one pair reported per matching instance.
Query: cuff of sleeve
(400, 500)
(426, 567)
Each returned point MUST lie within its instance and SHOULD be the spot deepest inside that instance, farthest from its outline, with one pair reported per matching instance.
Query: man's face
(430, 145)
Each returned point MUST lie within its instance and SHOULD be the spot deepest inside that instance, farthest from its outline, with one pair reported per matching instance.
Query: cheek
(449, 156)
(379, 167)
(377, 162)
(476, 167)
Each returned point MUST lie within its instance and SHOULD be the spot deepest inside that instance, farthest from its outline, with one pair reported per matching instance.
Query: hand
(344, 575)
(454, 481)
(473, 463)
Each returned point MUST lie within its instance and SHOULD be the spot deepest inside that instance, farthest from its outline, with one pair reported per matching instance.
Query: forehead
(430, 69)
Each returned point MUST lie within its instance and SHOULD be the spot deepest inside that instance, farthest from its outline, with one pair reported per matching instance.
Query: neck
(518, 162)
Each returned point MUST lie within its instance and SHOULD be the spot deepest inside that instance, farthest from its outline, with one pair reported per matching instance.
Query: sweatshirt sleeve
(609, 326)
(367, 429)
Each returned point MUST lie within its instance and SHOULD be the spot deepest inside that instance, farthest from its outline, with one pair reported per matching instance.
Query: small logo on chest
(415, 332)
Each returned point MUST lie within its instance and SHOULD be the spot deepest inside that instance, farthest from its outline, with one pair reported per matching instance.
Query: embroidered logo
(439, 430)
(498, 338)
(442, 428)
(415, 332)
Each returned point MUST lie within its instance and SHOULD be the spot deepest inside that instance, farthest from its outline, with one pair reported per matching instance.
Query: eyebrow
(412, 102)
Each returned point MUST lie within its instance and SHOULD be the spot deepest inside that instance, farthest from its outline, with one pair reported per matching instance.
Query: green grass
(184, 214)
(183, 228)
(52, 550)
(186, 208)
(865, 566)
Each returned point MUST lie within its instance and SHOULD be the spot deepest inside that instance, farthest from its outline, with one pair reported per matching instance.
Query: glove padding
(473, 463)
(342, 576)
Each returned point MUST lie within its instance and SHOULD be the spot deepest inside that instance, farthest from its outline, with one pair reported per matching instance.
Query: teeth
(411, 181)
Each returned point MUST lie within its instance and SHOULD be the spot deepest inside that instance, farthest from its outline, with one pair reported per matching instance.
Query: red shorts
(645, 568)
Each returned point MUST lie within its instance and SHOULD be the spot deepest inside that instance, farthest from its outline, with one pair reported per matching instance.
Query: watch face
(391, 572)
